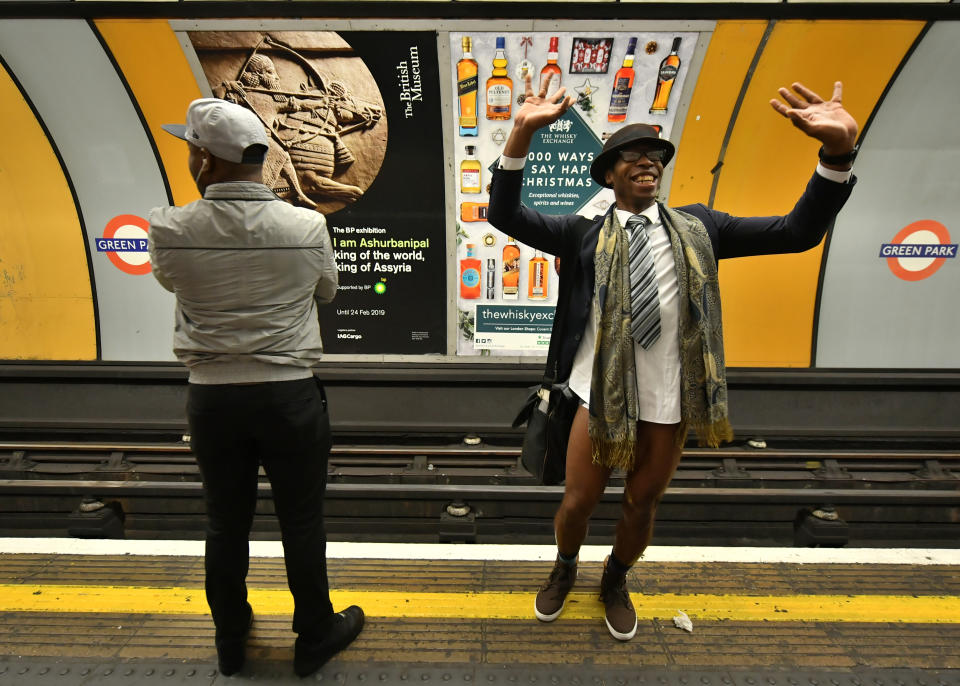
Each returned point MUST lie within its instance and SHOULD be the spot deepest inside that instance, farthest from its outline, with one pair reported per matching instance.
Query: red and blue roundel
(919, 250)
(125, 243)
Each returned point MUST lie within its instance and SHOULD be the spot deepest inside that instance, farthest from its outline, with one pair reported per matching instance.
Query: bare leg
(582, 490)
(657, 458)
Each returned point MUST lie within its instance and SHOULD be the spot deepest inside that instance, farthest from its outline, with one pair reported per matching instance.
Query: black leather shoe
(231, 652)
(312, 653)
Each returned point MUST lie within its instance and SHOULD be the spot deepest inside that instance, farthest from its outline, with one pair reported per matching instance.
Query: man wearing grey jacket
(248, 271)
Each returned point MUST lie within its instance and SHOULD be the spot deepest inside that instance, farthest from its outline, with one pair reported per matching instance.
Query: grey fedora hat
(630, 134)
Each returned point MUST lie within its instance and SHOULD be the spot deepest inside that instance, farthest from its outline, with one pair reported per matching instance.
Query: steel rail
(507, 451)
(503, 492)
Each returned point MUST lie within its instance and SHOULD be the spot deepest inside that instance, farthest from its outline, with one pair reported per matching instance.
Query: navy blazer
(574, 241)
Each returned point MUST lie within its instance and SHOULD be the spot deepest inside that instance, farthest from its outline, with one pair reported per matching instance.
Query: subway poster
(506, 291)
(352, 118)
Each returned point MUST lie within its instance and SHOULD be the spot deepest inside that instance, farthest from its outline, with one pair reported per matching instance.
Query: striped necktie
(644, 294)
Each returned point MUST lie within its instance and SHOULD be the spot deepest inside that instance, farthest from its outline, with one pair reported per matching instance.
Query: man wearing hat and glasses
(248, 271)
(637, 329)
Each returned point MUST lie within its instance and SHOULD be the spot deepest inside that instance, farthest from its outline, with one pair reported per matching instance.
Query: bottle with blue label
(470, 274)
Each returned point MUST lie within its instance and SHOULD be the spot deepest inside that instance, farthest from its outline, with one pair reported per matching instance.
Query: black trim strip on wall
(507, 375)
(748, 77)
(73, 194)
(312, 9)
(860, 138)
(136, 107)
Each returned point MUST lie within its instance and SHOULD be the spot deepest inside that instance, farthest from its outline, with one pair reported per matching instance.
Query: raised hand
(539, 110)
(825, 120)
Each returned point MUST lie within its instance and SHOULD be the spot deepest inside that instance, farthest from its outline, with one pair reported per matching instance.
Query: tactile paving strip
(26, 672)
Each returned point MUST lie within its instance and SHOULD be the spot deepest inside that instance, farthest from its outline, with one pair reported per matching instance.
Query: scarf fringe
(713, 434)
(614, 454)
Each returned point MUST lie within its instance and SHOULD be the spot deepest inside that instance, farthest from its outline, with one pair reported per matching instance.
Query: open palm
(540, 110)
(825, 120)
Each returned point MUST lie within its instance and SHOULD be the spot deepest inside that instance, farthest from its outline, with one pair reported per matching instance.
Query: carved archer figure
(306, 125)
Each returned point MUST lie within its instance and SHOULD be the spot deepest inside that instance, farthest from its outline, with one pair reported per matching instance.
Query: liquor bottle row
(499, 86)
(625, 76)
(481, 278)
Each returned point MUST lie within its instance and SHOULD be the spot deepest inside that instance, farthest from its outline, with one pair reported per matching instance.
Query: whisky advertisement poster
(353, 120)
(506, 291)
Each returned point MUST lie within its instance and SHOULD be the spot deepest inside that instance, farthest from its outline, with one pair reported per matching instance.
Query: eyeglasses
(654, 155)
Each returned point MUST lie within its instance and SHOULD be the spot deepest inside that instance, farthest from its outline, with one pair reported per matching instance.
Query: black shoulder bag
(548, 413)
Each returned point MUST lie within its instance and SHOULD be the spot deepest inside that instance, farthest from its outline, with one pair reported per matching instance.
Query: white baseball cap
(223, 128)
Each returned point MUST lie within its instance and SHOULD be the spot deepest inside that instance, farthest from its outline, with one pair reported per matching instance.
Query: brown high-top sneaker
(620, 616)
(552, 595)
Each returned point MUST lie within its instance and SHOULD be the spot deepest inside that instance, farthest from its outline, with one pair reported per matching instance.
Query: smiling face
(635, 183)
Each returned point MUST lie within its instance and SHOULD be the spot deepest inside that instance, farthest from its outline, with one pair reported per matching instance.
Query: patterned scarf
(614, 406)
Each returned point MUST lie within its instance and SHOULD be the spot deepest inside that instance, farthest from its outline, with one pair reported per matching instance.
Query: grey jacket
(248, 270)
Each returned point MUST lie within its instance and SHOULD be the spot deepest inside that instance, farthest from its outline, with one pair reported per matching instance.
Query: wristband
(845, 158)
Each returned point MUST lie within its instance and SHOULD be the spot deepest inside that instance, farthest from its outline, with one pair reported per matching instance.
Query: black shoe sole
(305, 666)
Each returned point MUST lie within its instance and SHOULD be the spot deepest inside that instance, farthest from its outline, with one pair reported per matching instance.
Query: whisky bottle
(668, 72)
(538, 277)
(473, 211)
(511, 270)
(551, 68)
(467, 85)
(470, 274)
(470, 171)
(499, 86)
(622, 85)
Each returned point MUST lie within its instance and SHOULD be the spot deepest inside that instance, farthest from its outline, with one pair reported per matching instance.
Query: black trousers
(283, 426)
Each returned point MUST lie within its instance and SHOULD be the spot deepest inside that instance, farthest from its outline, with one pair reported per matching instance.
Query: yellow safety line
(486, 605)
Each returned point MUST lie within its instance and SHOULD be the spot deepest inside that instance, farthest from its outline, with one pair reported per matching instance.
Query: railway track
(737, 495)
